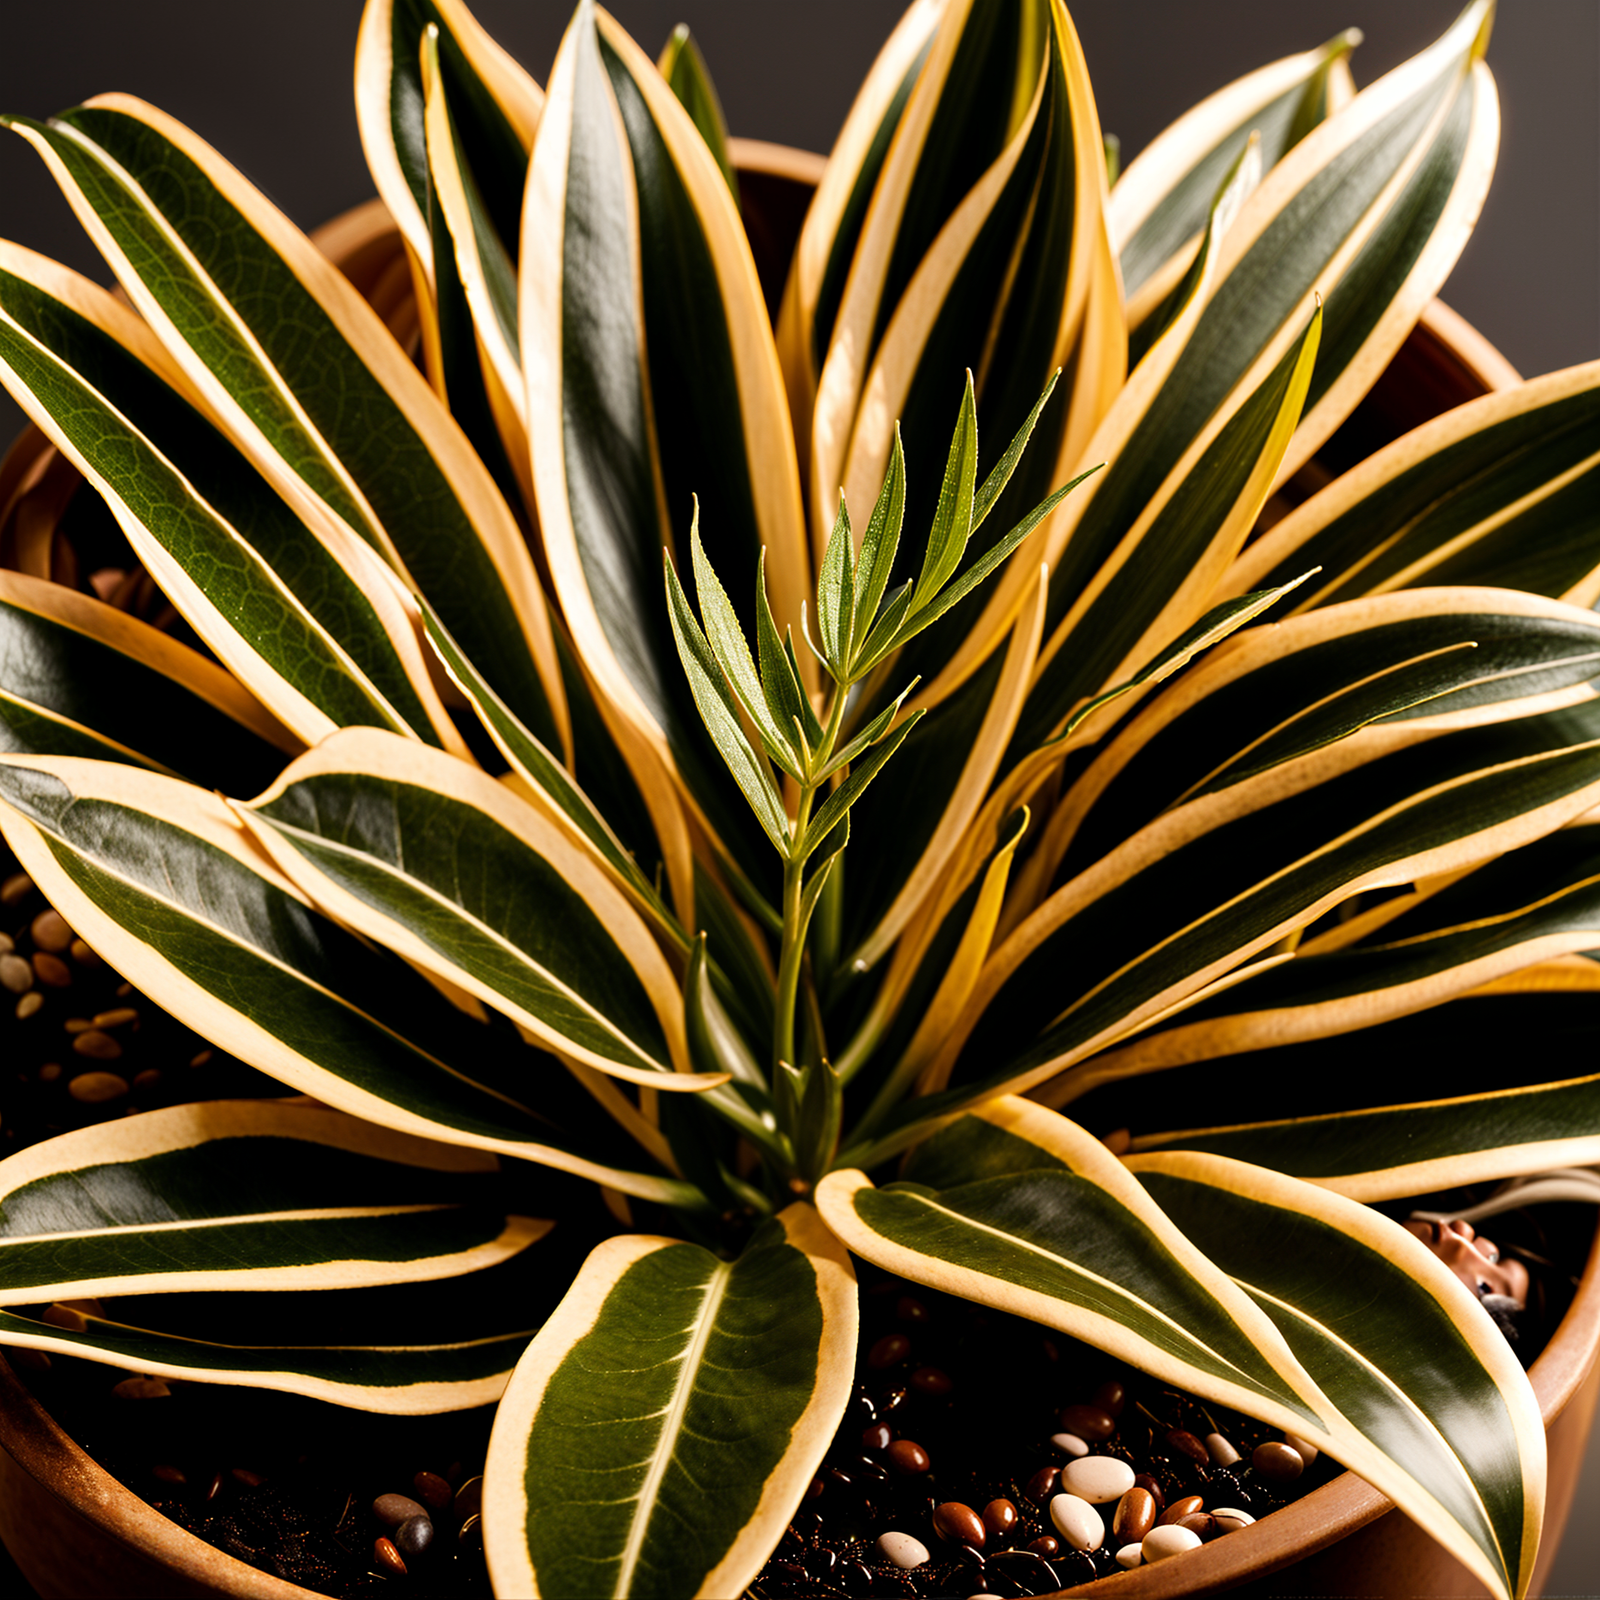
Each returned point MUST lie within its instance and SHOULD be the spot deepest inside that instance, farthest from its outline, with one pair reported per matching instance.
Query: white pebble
(1130, 1555)
(1097, 1479)
(1077, 1521)
(903, 1550)
(1221, 1452)
(1308, 1450)
(1069, 1444)
(1168, 1540)
(1238, 1516)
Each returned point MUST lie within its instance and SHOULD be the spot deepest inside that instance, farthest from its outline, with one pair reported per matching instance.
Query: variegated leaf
(257, 1193)
(659, 1431)
(161, 879)
(307, 379)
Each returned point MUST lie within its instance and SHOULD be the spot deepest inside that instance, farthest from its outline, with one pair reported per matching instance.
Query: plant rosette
(616, 761)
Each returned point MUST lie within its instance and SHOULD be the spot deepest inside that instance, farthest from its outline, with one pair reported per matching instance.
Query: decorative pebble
(1202, 1525)
(140, 1389)
(1179, 1509)
(1181, 1441)
(934, 1381)
(51, 970)
(82, 954)
(116, 1017)
(1231, 1521)
(96, 1088)
(1167, 1540)
(471, 1535)
(1129, 1556)
(1069, 1444)
(1088, 1422)
(1097, 1479)
(907, 1457)
(28, 1004)
(1000, 1517)
(877, 1436)
(169, 1474)
(15, 888)
(148, 1079)
(909, 1309)
(50, 932)
(393, 1509)
(1042, 1484)
(956, 1523)
(97, 1046)
(250, 1479)
(1308, 1452)
(413, 1536)
(1220, 1451)
(903, 1550)
(15, 973)
(1135, 1515)
(1111, 1397)
(49, 1072)
(7, 944)
(387, 1557)
(469, 1500)
(891, 1348)
(1278, 1463)
(75, 1025)
(200, 1060)
(1077, 1521)
(1045, 1546)
(1146, 1482)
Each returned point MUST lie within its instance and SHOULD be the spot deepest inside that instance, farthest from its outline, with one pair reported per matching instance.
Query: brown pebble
(77, 1025)
(96, 1088)
(1134, 1517)
(169, 1474)
(82, 954)
(1042, 1485)
(1182, 1442)
(934, 1381)
(15, 888)
(1045, 1545)
(1179, 1509)
(49, 1072)
(891, 1348)
(116, 1018)
(956, 1523)
(1153, 1489)
(15, 974)
(909, 1309)
(908, 1458)
(1088, 1422)
(140, 1389)
(1000, 1517)
(149, 1079)
(1229, 1522)
(432, 1490)
(50, 932)
(877, 1436)
(471, 1535)
(213, 1485)
(387, 1557)
(1277, 1463)
(1201, 1524)
(7, 944)
(251, 1480)
(814, 1488)
(393, 1509)
(97, 1046)
(51, 970)
(28, 1004)
(1119, 1141)
(413, 1536)
(1111, 1397)
(200, 1060)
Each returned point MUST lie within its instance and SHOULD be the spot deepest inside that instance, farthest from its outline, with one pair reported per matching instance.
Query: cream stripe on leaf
(497, 104)
(1339, 217)
(1070, 1240)
(619, 450)
(160, 878)
(307, 379)
(1160, 202)
(310, 623)
(1537, 904)
(1436, 1410)
(1443, 1096)
(450, 869)
(1197, 893)
(226, 1194)
(81, 678)
(671, 1390)
(1504, 490)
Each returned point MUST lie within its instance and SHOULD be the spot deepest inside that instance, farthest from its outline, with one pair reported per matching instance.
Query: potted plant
(834, 885)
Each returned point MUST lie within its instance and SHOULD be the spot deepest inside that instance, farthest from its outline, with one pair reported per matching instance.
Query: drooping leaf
(662, 1425)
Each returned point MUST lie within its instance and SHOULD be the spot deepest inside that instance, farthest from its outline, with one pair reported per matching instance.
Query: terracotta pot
(78, 1534)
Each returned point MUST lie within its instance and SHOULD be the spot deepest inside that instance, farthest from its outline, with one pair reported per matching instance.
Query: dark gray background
(269, 85)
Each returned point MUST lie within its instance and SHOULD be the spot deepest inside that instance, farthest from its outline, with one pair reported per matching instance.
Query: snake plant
(627, 742)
